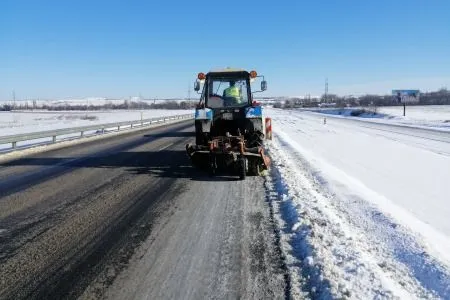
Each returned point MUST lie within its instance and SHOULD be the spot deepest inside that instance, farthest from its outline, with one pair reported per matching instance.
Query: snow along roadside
(38, 148)
(339, 245)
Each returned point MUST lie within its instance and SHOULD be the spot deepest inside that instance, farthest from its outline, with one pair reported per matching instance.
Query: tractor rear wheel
(242, 168)
(212, 165)
(257, 170)
(254, 168)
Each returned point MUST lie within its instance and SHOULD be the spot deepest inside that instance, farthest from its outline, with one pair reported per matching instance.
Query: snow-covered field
(427, 116)
(19, 122)
(363, 207)
(425, 112)
(28, 121)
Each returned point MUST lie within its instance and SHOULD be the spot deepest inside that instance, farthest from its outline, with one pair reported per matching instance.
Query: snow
(435, 117)
(90, 101)
(69, 140)
(363, 209)
(426, 112)
(19, 122)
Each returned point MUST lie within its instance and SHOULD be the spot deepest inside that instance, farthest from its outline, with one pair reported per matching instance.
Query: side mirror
(197, 86)
(263, 85)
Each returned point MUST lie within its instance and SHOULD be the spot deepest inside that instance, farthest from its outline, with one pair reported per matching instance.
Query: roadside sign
(406, 96)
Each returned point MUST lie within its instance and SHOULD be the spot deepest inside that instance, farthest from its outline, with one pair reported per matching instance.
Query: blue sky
(61, 49)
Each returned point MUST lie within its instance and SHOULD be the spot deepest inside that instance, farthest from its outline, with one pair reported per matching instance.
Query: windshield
(227, 92)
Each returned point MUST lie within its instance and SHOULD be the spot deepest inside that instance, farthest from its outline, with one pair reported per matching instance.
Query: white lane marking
(166, 146)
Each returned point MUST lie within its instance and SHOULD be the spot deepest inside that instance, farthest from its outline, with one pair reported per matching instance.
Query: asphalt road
(430, 134)
(128, 217)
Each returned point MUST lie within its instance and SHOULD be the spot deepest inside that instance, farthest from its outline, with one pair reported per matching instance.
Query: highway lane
(127, 217)
(436, 141)
(411, 131)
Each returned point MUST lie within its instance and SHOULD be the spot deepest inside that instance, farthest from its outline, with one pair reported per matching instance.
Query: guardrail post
(14, 145)
(54, 139)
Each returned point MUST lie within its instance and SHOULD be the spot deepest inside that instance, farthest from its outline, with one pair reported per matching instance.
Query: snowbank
(364, 212)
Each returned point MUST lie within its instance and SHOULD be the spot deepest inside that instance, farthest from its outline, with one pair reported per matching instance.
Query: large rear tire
(242, 168)
(258, 170)
(198, 139)
(254, 168)
(212, 165)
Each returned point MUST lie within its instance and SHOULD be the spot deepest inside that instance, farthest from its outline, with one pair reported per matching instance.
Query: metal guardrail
(14, 139)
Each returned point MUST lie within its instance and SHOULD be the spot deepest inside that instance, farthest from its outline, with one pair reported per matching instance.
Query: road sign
(406, 96)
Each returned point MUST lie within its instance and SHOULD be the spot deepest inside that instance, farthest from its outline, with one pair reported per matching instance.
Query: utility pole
(189, 92)
(14, 99)
(87, 105)
(326, 90)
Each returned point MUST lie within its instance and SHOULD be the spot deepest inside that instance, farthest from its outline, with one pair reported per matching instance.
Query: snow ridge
(344, 246)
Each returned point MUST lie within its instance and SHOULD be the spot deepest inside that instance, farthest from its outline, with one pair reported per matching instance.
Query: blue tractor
(229, 125)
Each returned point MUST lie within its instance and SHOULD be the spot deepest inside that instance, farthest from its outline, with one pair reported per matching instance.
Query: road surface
(127, 217)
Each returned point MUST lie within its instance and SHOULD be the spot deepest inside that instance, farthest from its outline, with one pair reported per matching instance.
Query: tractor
(229, 126)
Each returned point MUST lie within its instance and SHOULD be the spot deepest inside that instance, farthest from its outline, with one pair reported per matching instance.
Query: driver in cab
(232, 94)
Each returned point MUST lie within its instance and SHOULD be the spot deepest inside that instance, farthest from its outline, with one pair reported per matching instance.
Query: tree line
(440, 97)
(126, 104)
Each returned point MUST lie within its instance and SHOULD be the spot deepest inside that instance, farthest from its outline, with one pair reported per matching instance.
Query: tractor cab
(226, 90)
(226, 104)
